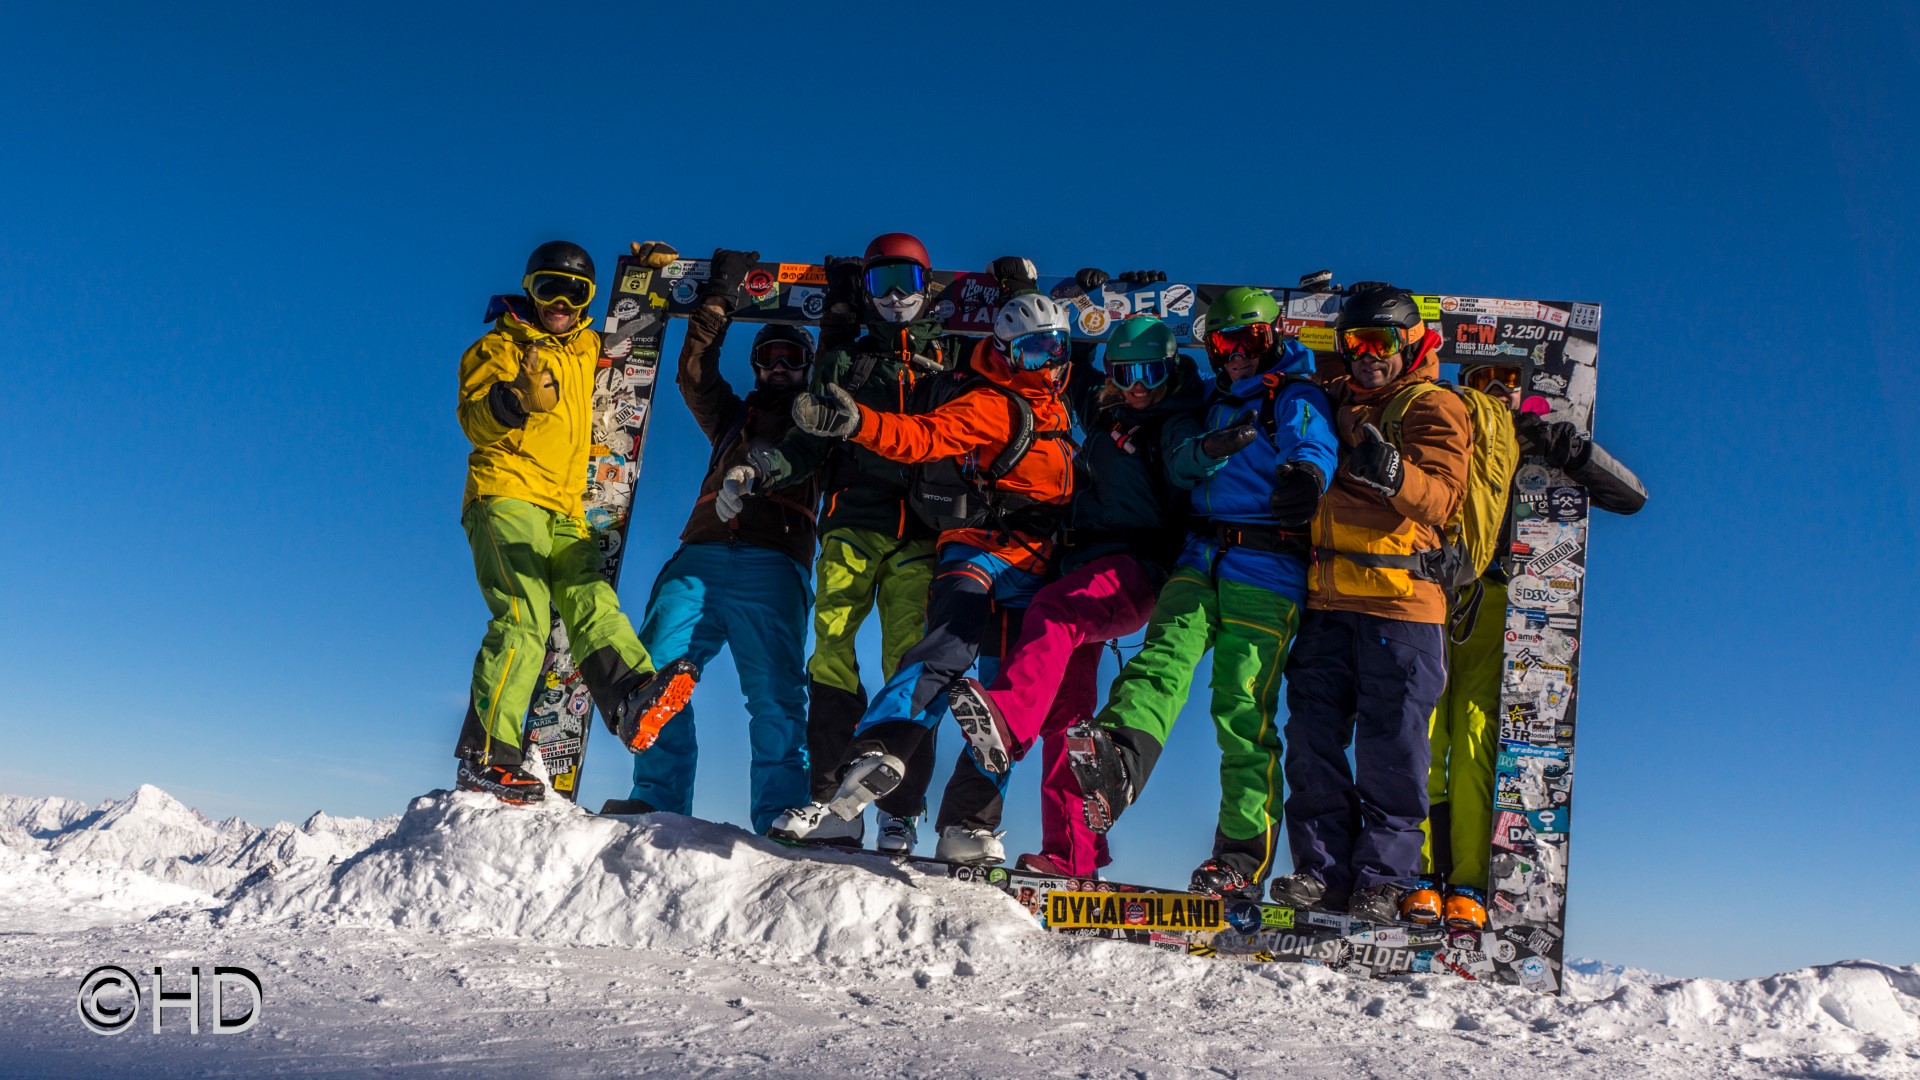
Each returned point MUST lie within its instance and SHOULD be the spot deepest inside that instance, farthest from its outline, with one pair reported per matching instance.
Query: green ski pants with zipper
(1465, 736)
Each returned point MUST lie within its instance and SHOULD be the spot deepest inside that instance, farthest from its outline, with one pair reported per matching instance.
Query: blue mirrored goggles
(905, 278)
(1148, 373)
(1040, 349)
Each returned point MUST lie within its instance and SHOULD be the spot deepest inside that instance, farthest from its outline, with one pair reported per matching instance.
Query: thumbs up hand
(1375, 463)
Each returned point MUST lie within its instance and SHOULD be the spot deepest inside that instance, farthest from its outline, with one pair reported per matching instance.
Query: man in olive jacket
(740, 578)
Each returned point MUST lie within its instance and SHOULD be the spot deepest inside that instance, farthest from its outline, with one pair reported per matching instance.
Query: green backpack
(1470, 540)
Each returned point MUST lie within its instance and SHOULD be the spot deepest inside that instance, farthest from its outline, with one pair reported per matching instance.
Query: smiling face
(557, 318)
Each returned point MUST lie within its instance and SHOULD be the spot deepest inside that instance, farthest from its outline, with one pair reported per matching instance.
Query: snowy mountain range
(468, 938)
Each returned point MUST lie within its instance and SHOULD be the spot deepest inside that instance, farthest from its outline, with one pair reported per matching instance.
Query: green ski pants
(1465, 736)
(526, 558)
(855, 568)
(1249, 630)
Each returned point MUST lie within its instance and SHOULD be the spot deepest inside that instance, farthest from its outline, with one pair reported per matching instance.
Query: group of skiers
(1011, 504)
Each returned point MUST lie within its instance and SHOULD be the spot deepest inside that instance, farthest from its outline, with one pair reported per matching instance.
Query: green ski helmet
(1140, 349)
(1241, 320)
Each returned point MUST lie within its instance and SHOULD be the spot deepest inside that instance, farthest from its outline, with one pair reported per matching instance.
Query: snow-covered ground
(466, 938)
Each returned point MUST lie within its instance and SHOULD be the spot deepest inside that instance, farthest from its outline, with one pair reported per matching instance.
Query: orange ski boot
(656, 701)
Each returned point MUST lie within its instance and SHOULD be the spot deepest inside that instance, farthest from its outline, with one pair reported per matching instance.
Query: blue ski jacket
(1237, 489)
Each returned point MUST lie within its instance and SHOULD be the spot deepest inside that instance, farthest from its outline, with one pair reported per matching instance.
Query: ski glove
(728, 270)
(534, 386)
(1376, 462)
(1143, 277)
(1091, 277)
(1558, 441)
(843, 275)
(1296, 493)
(653, 254)
(734, 489)
(831, 412)
(505, 405)
(1015, 275)
(1225, 442)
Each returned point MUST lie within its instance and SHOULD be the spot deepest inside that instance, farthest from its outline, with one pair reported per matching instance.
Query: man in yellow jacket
(526, 404)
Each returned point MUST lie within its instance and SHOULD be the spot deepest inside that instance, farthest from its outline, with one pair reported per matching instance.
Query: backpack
(957, 493)
(1470, 540)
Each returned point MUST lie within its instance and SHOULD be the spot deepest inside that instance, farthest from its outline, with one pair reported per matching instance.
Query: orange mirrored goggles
(1482, 376)
(1253, 339)
(1381, 341)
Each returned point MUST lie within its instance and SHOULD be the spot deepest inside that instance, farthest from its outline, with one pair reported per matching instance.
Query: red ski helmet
(897, 247)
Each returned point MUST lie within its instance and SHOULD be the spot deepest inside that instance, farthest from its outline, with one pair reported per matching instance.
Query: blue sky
(242, 249)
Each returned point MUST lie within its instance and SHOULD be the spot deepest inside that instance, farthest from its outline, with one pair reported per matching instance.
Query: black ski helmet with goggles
(799, 345)
(1375, 317)
(559, 271)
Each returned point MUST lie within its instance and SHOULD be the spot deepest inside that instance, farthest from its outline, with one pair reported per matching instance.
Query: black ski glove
(1296, 493)
(1143, 277)
(1558, 441)
(1376, 462)
(844, 287)
(505, 405)
(728, 270)
(1091, 278)
(1225, 442)
(1014, 274)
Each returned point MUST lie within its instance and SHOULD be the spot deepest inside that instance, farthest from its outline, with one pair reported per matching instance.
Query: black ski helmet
(1376, 303)
(796, 335)
(563, 255)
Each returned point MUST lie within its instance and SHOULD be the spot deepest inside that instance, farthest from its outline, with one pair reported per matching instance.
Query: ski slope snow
(467, 938)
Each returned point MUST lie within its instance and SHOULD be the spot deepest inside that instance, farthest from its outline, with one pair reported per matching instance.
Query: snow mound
(466, 862)
(40, 893)
(1587, 978)
(1856, 1007)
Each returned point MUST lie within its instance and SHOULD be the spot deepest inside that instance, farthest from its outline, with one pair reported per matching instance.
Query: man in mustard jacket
(526, 403)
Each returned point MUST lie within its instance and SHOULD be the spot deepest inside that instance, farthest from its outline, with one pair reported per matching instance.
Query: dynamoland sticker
(1133, 911)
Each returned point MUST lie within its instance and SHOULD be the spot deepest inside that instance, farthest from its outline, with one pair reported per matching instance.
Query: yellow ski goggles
(559, 287)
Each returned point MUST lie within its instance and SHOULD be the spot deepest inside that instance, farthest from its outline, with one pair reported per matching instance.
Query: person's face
(1374, 372)
(778, 379)
(557, 318)
(1139, 396)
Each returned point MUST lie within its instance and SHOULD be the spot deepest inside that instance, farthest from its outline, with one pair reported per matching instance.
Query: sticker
(635, 279)
(1244, 916)
(1276, 918)
(1531, 480)
(684, 291)
(1317, 338)
(1134, 911)
(1432, 306)
(801, 274)
(1566, 504)
(625, 308)
(1176, 300)
(811, 302)
(1585, 317)
(1094, 323)
(757, 283)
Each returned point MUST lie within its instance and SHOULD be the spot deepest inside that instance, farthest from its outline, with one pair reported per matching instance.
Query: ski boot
(898, 835)
(1298, 890)
(866, 778)
(972, 847)
(1466, 908)
(1100, 772)
(1421, 905)
(624, 807)
(986, 730)
(508, 783)
(1377, 903)
(651, 704)
(815, 824)
(1051, 865)
(1216, 878)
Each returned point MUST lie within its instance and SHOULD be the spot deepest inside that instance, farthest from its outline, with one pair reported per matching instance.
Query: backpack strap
(1021, 439)
(1394, 417)
(863, 364)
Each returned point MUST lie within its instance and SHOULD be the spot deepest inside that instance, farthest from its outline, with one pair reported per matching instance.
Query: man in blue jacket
(1238, 588)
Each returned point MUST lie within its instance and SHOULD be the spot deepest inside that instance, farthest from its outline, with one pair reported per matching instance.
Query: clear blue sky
(241, 251)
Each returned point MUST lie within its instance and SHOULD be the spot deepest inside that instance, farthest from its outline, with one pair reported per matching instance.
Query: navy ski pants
(1370, 683)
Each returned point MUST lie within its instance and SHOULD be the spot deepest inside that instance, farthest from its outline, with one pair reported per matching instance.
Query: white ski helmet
(1030, 313)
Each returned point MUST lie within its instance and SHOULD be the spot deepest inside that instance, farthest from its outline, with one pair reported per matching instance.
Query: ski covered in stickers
(1554, 344)
(561, 714)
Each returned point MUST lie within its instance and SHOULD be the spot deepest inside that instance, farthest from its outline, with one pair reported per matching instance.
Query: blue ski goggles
(905, 278)
(1040, 349)
(1148, 373)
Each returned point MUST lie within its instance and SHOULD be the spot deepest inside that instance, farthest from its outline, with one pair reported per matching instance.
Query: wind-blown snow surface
(469, 938)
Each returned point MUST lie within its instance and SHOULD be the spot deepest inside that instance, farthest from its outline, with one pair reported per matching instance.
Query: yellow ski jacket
(545, 462)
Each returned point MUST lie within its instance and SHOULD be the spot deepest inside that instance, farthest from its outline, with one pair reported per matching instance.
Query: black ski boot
(1377, 903)
(508, 783)
(1217, 878)
(1298, 890)
(1101, 772)
(624, 807)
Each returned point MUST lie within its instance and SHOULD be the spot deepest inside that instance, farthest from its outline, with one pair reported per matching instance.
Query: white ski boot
(869, 777)
(815, 824)
(974, 847)
(898, 835)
